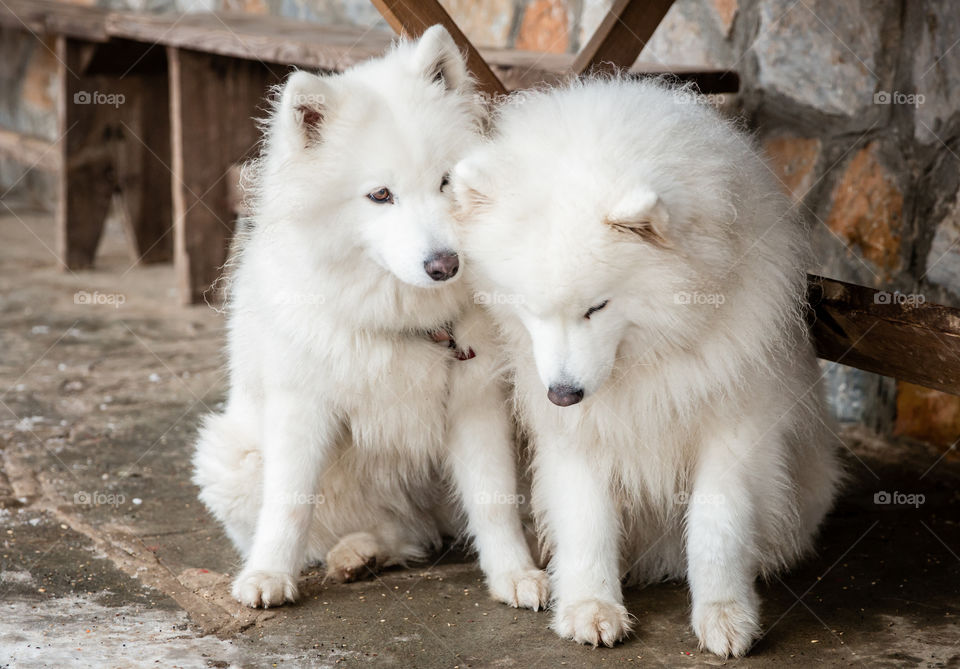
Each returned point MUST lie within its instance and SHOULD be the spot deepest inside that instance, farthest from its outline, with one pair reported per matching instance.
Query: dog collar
(444, 335)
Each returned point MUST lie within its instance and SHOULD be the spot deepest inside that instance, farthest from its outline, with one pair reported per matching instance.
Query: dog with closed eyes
(650, 291)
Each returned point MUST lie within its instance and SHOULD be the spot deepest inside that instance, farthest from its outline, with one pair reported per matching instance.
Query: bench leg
(115, 148)
(213, 103)
(87, 178)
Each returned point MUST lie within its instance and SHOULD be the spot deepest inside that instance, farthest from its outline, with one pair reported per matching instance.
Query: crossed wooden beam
(854, 325)
(617, 42)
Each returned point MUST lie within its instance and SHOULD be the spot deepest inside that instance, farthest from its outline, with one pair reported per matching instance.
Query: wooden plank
(886, 333)
(412, 17)
(213, 103)
(48, 16)
(621, 36)
(31, 152)
(528, 69)
(270, 40)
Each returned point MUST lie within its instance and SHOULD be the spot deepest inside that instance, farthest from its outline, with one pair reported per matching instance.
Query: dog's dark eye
(381, 196)
(595, 308)
(444, 182)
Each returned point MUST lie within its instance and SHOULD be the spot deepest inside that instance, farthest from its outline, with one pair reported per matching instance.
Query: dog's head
(563, 272)
(362, 158)
(581, 236)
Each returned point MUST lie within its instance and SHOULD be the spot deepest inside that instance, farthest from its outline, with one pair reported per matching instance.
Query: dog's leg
(294, 448)
(721, 555)
(482, 462)
(583, 526)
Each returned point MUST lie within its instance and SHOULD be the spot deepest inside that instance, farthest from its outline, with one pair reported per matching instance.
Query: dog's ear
(437, 58)
(642, 213)
(472, 186)
(304, 106)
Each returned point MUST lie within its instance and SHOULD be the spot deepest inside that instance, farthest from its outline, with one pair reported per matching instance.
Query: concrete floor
(109, 560)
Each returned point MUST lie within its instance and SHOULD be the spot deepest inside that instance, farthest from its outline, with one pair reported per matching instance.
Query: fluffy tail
(228, 466)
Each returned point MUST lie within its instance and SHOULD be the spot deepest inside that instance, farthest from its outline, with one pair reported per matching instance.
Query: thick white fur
(345, 420)
(701, 448)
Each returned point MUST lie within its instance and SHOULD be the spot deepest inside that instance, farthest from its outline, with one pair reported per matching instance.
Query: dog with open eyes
(363, 382)
(649, 287)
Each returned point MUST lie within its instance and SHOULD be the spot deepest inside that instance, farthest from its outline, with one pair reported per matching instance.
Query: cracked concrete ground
(108, 559)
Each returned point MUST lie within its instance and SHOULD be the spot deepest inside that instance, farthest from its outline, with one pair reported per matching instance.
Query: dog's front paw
(354, 557)
(264, 588)
(524, 588)
(726, 628)
(592, 621)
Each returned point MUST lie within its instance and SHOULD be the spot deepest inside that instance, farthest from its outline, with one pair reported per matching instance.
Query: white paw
(524, 588)
(592, 621)
(354, 557)
(264, 588)
(726, 628)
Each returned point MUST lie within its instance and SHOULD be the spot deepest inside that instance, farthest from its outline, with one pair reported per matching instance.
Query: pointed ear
(644, 214)
(472, 186)
(304, 106)
(437, 58)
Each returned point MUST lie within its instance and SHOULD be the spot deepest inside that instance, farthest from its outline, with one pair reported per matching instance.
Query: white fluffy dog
(648, 278)
(354, 390)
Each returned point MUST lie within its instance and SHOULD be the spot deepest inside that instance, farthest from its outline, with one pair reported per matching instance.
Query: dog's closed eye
(594, 309)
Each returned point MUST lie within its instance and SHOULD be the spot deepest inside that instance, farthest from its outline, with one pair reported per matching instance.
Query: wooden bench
(195, 81)
(190, 87)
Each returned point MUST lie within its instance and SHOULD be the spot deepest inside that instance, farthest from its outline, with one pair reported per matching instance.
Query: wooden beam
(412, 17)
(621, 36)
(887, 333)
(213, 103)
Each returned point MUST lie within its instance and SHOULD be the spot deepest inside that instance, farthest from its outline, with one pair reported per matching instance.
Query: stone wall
(856, 103)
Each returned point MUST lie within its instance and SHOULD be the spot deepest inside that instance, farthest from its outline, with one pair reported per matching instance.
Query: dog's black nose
(442, 266)
(564, 396)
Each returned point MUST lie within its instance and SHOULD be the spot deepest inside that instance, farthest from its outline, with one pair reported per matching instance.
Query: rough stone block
(484, 22)
(545, 27)
(943, 259)
(936, 68)
(793, 160)
(821, 53)
(688, 36)
(928, 415)
(867, 209)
